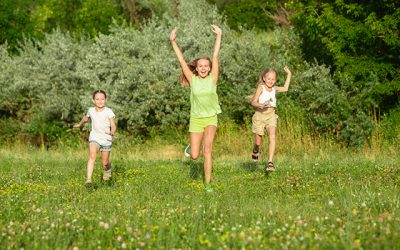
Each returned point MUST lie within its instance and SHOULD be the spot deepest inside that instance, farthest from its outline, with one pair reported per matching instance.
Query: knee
(92, 157)
(194, 156)
(207, 152)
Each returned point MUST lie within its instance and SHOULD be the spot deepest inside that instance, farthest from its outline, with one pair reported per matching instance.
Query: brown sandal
(255, 156)
(270, 167)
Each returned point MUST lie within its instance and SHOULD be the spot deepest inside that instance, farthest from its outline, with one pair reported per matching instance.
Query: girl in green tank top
(203, 97)
(201, 75)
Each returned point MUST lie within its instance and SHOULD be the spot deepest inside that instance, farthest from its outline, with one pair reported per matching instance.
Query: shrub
(50, 82)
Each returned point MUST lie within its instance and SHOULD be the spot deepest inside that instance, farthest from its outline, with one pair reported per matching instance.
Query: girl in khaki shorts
(264, 118)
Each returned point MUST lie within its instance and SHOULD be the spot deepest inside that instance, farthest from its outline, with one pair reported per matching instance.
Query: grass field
(317, 199)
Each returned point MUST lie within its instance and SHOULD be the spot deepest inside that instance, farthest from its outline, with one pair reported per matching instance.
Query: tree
(249, 14)
(16, 21)
(361, 41)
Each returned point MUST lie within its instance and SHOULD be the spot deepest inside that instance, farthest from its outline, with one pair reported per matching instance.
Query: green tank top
(203, 97)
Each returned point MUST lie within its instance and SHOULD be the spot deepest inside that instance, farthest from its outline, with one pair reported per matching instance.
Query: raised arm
(215, 68)
(185, 68)
(287, 82)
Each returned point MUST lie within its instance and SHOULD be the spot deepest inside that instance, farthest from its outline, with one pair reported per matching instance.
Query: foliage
(247, 14)
(390, 126)
(361, 42)
(15, 21)
(19, 19)
(51, 80)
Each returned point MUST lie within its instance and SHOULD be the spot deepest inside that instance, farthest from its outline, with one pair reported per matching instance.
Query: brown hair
(267, 70)
(192, 66)
(99, 91)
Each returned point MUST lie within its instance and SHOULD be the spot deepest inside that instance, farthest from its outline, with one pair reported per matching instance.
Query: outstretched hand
(172, 36)
(217, 30)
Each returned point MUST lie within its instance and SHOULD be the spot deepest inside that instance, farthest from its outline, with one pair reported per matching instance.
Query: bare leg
(93, 149)
(256, 147)
(105, 156)
(209, 133)
(195, 144)
(272, 142)
(257, 140)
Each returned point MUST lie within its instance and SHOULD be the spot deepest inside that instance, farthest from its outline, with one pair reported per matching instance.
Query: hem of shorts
(200, 116)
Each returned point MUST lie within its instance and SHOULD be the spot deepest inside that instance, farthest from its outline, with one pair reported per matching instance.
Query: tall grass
(330, 200)
(322, 196)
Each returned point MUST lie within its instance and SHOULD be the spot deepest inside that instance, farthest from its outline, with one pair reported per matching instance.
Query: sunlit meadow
(320, 197)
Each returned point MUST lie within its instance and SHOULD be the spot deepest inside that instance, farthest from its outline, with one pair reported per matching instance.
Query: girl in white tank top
(264, 101)
(268, 96)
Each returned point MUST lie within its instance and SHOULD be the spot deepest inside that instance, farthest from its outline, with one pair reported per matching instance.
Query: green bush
(51, 81)
(389, 126)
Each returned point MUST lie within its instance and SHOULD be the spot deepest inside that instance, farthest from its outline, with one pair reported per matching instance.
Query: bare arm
(113, 127)
(287, 82)
(217, 46)
(84, 120)
(256, 96)
(186, 71)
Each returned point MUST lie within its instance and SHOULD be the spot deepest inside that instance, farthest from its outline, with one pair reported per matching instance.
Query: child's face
(203, 68)
(99, 100)
(270, 79)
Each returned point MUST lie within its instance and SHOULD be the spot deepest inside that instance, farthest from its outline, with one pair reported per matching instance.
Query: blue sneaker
(187, 151)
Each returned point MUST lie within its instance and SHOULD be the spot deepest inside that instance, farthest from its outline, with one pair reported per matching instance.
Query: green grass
(321, 199)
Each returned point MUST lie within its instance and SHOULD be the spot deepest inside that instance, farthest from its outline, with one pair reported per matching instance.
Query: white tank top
(268, 96)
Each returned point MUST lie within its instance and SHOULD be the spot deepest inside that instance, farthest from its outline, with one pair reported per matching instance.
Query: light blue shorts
(105, 148)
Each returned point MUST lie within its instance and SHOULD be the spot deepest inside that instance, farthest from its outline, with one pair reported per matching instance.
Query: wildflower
(330, 203)
(357, 243)
(104, 225)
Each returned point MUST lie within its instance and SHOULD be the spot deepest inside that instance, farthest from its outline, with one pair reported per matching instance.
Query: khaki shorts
(199, 124)
(261, 121)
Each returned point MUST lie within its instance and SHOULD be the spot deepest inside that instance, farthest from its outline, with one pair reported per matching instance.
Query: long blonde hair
(267, 70)
(192, 66)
